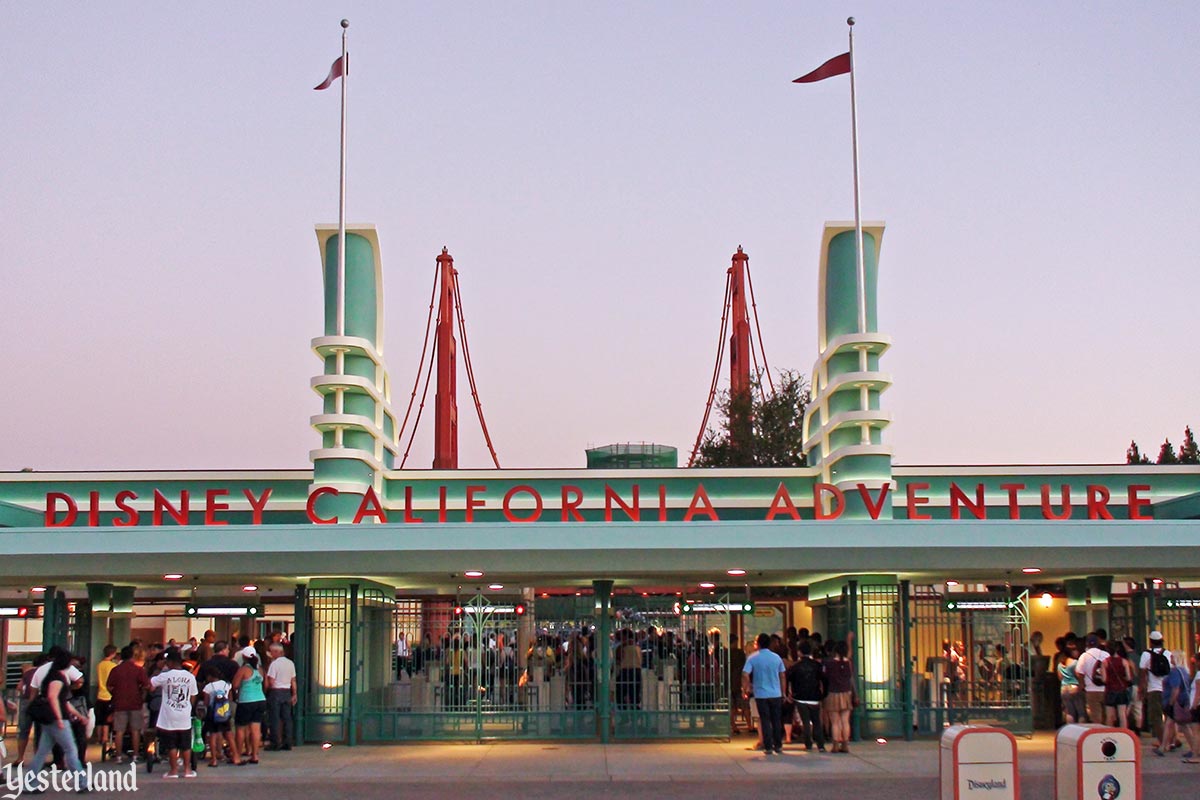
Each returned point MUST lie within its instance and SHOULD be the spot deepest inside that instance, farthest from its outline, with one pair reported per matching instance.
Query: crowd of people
(802, 689)
(153, 702)
(1148, 690)
(487, 666)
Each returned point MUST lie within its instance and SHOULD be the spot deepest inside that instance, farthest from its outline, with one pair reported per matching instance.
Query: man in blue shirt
(764, 672)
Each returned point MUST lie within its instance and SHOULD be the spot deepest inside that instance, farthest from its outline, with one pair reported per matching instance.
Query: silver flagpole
(858, 236)
(341, 265)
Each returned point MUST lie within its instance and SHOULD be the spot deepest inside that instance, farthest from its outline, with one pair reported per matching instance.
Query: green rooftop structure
(633, 456)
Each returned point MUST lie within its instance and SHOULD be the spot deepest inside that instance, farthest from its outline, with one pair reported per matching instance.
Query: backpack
(1159, 665)
(1098, 672)
(220, 710)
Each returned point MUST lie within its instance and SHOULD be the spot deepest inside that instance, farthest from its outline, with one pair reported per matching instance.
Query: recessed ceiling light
(952, 583)
(473, 573)
(38, 589)
(1156, 582)
(249, 587)
(707, 585)
(496, 586)
(1031, 570)
(173, 576)
(735, 571)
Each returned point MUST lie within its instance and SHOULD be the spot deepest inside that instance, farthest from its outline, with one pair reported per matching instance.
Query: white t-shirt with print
(178, 689)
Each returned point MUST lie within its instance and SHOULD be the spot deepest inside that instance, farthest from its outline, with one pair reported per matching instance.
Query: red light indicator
(458, 610)
(22, 612)
(519, 610)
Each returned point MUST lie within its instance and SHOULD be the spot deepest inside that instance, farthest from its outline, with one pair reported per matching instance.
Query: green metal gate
(670, 675)
(1177, 615)
(325, 685)
(989, 633)
(880, 658)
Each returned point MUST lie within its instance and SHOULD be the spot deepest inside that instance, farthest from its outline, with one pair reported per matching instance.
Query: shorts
(837, 701)
(250, 713)
(216, 728)
(174, 740)
(103, 709)
(1116, 697)
(129, 720)
(24, 723)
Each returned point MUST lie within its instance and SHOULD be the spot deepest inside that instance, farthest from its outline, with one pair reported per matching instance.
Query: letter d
(839, 501)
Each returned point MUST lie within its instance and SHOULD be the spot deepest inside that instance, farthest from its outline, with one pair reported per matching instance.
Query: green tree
(1134, 456)
(1189, 453)
(1166, 453)
(758, 431)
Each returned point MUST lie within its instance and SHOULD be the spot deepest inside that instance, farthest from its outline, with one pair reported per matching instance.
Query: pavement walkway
(657, 761)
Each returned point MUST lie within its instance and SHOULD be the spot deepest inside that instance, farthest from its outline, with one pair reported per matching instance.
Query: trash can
(1093, 762)
(978, 761)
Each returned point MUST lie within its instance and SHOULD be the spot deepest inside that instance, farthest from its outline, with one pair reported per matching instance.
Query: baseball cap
(248, 652)
(1156, 635)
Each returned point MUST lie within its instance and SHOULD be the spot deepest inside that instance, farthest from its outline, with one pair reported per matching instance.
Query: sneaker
(1188, 755)
(820, 748)
(1158, 752)
(191, 773)
(170, 774)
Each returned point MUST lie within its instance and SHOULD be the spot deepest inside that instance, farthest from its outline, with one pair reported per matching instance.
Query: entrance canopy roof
(435, 557)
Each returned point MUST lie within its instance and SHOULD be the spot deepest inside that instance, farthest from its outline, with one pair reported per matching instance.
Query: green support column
(603, 593)
(122, 614)
(3, 647)
(1151, 610)
(100, 598)
(54, 618)
(1077, 610)
(352, 678)
(909, 667)
(81, 625)
(856, 656)
(1099, 593)
(301, 657)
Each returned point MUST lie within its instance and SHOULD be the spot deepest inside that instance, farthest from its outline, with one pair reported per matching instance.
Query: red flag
(336, 71)
(838, 65)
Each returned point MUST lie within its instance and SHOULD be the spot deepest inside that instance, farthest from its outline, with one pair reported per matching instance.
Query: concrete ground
(894, 770)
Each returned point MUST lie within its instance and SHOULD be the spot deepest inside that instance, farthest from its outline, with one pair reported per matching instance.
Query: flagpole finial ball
(346, 23)
(849, 20)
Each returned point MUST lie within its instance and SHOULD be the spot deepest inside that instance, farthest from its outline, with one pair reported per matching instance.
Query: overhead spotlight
(735, 572)
(473, 573)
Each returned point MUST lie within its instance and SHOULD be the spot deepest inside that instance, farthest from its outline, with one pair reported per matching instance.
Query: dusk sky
(592, 167)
